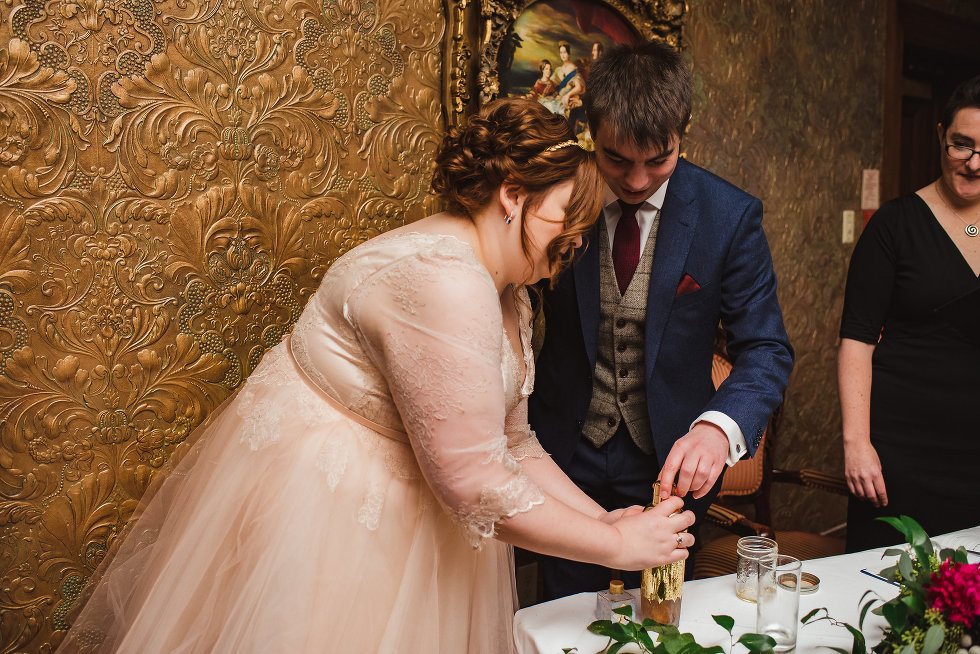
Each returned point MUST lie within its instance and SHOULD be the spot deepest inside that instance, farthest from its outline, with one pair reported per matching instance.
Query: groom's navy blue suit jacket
(711, 231)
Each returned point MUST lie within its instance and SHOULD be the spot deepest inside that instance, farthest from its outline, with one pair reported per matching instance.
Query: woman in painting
(909, 359)
(360, 492)
(568, 82)
(544, 89)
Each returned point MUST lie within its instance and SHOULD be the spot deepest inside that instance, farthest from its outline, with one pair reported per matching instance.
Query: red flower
(954, 591)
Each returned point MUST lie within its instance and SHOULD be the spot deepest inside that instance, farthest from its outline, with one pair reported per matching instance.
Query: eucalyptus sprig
(859, 646)
(670, 640)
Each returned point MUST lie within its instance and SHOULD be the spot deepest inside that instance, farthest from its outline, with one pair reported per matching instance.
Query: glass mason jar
(751, 550)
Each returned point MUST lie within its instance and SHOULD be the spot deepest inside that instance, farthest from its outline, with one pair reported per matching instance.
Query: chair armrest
(813, 479)
(735, 522)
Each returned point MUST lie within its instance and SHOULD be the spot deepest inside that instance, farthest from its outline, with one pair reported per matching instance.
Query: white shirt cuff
(736, 441)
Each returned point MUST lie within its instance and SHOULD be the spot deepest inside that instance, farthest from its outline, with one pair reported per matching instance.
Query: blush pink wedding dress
(344, 500)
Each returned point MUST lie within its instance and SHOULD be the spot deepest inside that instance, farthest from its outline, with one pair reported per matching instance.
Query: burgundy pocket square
(687, 285)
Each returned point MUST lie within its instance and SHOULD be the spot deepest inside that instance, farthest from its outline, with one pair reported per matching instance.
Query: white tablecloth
(547, 628)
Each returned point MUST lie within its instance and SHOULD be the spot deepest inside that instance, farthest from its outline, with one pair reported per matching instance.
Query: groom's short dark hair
(640, 92)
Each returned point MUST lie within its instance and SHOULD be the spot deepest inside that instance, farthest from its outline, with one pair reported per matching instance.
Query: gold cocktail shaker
(661, 587)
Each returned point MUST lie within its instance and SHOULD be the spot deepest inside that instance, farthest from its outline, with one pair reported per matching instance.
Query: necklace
(970, 229)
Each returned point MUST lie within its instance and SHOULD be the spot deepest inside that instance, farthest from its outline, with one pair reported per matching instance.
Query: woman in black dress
(909, 359)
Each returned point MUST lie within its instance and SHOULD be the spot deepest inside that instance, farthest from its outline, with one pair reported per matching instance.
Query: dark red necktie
(626, 245)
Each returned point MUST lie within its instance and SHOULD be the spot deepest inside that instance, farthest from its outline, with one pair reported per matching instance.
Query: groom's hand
(696, 460)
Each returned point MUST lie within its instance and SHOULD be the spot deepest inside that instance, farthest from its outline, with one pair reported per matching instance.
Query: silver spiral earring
(510, 217)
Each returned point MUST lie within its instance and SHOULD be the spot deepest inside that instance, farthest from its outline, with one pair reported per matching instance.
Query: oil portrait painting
(550, 49)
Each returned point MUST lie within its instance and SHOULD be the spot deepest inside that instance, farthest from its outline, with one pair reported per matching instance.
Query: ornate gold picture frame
(484, 41)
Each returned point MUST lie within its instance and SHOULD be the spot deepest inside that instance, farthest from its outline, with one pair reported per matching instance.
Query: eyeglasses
(960, 152)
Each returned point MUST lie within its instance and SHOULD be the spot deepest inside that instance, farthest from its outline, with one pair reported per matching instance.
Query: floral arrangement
(937, 609)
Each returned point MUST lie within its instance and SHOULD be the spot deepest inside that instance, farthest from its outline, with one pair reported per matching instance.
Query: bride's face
(545, 223)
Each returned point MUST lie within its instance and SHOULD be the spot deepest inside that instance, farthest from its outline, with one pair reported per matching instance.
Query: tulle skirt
(288, 527)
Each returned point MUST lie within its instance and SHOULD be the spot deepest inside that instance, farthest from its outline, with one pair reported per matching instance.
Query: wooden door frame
(891, 103)
(909, 23)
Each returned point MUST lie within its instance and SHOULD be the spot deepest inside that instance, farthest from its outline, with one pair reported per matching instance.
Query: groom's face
(634, 173)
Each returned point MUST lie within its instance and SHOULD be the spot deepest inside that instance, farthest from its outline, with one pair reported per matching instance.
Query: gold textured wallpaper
(175, 176)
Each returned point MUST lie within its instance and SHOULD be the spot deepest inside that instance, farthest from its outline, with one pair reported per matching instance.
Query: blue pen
(871, 574)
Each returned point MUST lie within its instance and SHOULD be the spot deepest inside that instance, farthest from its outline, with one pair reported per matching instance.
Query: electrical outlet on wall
(847, 229)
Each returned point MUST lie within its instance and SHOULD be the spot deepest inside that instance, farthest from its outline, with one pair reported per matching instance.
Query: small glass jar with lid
(614, 598)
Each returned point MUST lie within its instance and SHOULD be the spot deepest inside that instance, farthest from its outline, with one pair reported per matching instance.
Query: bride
(361, 492)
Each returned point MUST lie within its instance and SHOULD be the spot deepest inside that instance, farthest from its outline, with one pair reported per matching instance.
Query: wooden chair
(748, 483)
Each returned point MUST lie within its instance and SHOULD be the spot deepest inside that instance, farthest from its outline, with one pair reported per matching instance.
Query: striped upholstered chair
(748, 483)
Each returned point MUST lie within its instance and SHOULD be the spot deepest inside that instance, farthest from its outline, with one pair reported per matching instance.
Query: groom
(623, 395)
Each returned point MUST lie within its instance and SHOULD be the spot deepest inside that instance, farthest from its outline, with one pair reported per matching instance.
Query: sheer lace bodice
(406, 331)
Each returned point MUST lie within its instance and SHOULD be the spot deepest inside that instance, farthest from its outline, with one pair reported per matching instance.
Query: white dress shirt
(645, 215)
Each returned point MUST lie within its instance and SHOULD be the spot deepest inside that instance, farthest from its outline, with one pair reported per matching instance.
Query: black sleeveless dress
(909, 286)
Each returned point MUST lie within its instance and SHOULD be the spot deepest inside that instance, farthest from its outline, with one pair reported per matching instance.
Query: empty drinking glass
(778, 610)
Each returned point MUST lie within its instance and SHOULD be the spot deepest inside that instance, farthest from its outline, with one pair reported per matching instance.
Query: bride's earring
(510, 217)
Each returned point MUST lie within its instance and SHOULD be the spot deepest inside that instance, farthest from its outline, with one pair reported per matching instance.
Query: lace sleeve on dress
(521, 441)
(432, 325)
(528, 448)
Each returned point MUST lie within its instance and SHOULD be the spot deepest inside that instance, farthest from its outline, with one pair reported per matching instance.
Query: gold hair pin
(559, 146)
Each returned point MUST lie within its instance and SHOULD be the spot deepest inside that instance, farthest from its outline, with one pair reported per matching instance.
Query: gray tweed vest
(619, 383)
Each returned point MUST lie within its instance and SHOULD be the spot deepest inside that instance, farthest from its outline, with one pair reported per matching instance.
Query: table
(547, 628)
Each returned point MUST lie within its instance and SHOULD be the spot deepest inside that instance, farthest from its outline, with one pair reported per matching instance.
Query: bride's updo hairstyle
(517, 140)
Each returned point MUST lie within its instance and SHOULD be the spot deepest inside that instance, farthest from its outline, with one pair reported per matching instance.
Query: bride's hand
(612, 516)
(652, 538)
